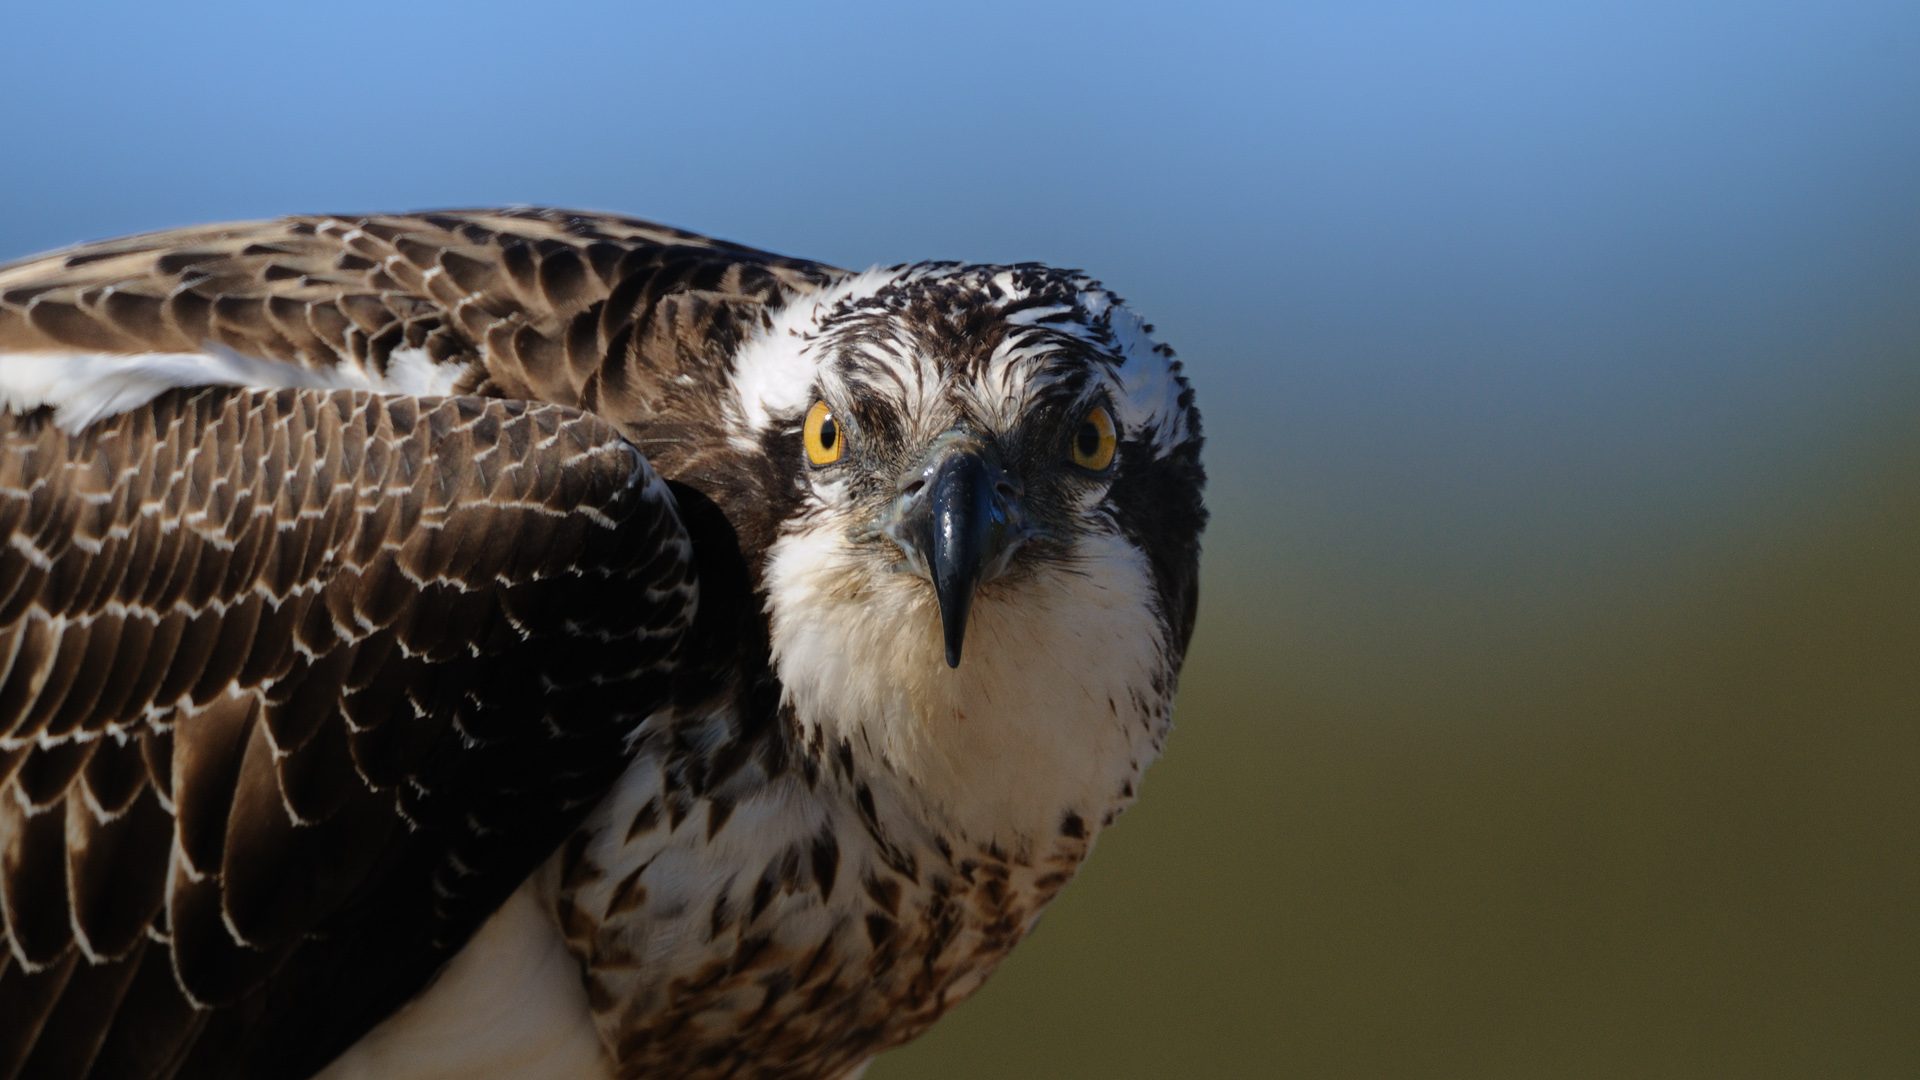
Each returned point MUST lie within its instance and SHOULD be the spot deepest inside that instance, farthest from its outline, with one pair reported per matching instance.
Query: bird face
(992, 557)
(955, 496)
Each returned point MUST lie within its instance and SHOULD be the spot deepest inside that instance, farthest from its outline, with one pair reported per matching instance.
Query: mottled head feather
(988, 340)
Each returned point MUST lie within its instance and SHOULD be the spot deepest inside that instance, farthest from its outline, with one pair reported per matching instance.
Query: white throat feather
(1063, 697)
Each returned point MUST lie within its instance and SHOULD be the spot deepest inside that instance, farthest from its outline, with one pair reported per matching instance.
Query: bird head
(986, 579)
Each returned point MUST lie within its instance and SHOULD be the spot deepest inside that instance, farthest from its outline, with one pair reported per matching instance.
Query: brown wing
(295, 687)
(535, 300)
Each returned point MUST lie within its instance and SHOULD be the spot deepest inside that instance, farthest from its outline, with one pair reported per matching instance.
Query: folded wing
(295, 687)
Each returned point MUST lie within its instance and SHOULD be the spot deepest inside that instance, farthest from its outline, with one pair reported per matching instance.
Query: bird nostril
(1005, 490)
(913, 489)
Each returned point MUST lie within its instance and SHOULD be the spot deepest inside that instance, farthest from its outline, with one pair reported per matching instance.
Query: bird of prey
(535, 644)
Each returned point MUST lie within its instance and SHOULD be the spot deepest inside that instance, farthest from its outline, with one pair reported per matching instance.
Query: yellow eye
(1093, 441)
(825, 441)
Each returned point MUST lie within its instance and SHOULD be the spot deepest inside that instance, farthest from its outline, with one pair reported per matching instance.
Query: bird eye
(824, 439)
(1093, 441)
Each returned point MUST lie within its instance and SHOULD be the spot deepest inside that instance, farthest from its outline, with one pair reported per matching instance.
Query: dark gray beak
(958, 519)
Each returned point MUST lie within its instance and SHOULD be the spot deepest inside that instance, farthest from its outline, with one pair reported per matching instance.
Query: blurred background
(1555, 706)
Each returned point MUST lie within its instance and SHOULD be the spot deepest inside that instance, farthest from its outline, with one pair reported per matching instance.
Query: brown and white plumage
(349, 631)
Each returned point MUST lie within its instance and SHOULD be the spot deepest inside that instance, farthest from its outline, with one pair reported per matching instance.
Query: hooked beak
(959, 520)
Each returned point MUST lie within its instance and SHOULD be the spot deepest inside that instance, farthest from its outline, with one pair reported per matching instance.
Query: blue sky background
(1551, 710)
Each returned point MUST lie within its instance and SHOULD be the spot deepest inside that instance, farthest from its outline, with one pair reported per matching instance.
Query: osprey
(527, 643)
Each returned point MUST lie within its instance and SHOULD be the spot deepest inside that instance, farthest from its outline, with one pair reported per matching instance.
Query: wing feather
(523, 303)
(299, 685)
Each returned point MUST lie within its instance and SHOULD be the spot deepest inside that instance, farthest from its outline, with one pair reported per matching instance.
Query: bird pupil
(1089, 439)
(829, 433)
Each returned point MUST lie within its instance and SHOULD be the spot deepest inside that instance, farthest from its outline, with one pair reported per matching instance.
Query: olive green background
(1664, 825)
(1554, 710)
